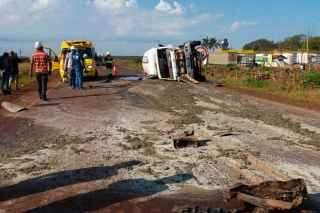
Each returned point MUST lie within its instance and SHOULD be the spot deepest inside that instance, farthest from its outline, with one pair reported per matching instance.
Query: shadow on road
(60, 179)
(115, 193)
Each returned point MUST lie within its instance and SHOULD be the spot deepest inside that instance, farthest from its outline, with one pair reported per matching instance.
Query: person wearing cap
(41, 65)
(108, 61)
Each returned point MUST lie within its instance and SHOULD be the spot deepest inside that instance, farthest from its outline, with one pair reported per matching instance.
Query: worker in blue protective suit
(77, 67)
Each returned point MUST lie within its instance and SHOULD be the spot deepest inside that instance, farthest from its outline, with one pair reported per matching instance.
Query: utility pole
(308, 50)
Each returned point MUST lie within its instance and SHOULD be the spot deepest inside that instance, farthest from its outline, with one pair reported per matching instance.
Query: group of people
(72, 62)
(9, 64)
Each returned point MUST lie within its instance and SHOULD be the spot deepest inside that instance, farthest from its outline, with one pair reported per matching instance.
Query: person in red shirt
(41, 65)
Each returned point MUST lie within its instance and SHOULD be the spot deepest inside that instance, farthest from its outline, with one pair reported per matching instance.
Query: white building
(303, 58)
(291, 58)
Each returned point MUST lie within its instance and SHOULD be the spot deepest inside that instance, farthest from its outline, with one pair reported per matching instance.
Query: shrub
(250, 82)
(311, 79)
(232, 67)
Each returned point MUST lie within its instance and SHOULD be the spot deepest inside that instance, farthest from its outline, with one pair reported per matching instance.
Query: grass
(254, 83)
(311, 79)
(133, 63)
(24, 80)
(296, 87)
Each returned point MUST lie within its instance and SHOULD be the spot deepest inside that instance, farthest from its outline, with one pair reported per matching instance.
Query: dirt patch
(23, 136)
(277, 119)
(233, 105)
(174, 98)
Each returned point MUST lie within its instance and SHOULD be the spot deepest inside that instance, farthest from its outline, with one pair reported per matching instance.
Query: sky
(130, 27)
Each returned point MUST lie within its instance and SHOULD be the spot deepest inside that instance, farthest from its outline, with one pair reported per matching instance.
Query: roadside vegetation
(293, 43)
(131, 63)
(301, 87)
(25, 80)
(294, 86)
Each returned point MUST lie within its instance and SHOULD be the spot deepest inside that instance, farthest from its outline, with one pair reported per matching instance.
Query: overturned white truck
(174, 63)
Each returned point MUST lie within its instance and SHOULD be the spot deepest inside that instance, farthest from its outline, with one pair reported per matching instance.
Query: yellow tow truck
(87, 51)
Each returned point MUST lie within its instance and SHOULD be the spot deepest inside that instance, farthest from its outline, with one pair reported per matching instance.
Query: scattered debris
(186, 141)
(226, 133)
(11, 107)
(190, 79)
(201, 210)
(272, 195)
(219, 84)
(189, 132)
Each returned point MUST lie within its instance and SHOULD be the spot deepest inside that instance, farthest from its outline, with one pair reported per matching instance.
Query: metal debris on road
(272, 195)
(186, 141)
(11, 107)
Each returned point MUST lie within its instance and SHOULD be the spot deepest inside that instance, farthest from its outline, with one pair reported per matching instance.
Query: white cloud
(114, 4)
(39, 5)
(166, 19)
(103, 19)
(174, 8)
(237, 25)
(20, 12)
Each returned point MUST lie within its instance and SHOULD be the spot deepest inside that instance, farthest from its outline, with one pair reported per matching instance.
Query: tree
(314, 43)
(260, 45)
(209, 43)
(225, 44)
(294, 43)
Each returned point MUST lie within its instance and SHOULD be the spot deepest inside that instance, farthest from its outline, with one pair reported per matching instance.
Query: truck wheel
(96, 75)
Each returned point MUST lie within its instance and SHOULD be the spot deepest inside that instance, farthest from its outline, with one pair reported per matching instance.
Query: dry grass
(281, 83)
(25, 80)
(132, 63)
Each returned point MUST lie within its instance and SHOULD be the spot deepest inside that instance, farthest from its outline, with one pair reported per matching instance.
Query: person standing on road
(14, 64)
(78, 66)
(62, 65)
(68, 66)
(109, 62)
(41, 65)
(5, 84)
